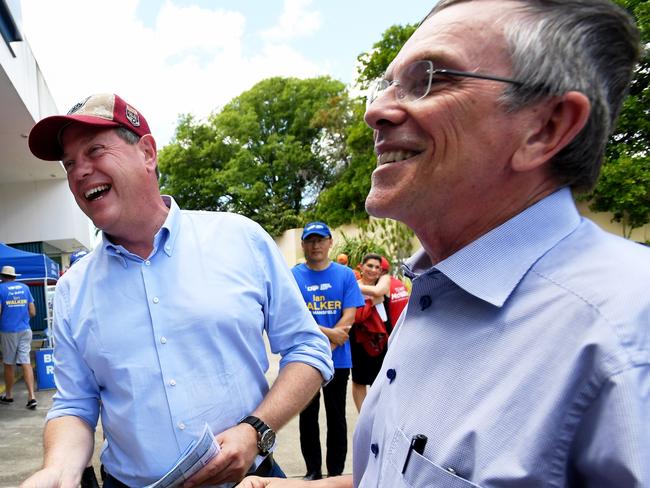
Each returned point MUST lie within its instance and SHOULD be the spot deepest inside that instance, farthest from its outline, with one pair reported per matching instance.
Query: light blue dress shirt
(176, 340)
(525, 360)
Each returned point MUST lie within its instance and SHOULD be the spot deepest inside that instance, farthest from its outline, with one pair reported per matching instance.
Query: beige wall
(289, 242)
(604, 220)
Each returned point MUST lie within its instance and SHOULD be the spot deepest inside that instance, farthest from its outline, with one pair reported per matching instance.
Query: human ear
(148, 146)
(554, 123)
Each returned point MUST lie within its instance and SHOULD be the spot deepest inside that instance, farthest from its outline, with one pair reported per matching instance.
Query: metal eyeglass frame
(380, 85)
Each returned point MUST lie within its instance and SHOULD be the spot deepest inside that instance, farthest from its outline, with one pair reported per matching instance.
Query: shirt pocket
(420, 471)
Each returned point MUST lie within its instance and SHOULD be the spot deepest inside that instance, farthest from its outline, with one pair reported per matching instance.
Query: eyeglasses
(417, 79)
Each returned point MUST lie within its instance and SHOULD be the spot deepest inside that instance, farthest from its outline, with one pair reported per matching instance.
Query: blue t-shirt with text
(326, 294)
(15, 298)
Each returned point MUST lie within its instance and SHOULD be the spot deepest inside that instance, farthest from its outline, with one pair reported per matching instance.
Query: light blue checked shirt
(171, 342)
(525, 360)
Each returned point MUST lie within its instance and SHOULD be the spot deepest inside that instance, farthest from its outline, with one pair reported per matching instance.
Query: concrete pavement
(21, 446)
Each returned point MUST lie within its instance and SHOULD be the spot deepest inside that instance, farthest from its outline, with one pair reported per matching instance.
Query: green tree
(386, 237)
(266, 155)
(624, 185)
(344, 199)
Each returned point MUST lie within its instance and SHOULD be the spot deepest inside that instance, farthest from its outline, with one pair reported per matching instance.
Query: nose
(385, 110)
(81, 169)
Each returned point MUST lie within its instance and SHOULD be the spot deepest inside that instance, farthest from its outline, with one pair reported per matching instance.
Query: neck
(318, 265)
(140, 241)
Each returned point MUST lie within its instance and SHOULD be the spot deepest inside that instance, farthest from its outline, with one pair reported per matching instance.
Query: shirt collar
(491, 266)
(165, 237)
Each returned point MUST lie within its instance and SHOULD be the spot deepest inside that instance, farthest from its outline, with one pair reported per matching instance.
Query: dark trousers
(334, 396)
(268, 469)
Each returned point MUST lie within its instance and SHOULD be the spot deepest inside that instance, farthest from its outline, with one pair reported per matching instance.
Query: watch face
(267, 439)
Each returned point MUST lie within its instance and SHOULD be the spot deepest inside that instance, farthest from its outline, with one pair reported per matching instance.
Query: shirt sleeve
(613, 443)
(291, 328)
(77, 393)
(353, 296)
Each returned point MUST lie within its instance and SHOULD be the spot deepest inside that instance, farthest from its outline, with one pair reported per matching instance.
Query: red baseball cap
(100, 110)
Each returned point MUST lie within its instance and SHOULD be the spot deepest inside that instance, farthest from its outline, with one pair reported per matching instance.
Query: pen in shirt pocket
(418, 442)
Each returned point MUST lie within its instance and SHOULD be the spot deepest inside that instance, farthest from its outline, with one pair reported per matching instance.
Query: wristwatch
(265, 434)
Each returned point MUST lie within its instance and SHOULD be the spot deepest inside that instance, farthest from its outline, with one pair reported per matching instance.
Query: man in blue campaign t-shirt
(16, 307)
(332, 295)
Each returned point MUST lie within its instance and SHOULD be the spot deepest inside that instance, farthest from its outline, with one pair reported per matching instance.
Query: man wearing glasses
(524, 356)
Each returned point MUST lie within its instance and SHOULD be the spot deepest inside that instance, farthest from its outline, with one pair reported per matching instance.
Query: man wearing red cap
(159, 329)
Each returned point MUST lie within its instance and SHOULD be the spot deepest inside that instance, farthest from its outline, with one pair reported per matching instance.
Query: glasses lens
(416, 80)
(374, 90)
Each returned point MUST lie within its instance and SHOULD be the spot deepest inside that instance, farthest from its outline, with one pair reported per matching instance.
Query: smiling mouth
(97, 192)
(395, 156)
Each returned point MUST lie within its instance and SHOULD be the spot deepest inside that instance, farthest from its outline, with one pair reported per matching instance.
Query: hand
(53, 478)
(238, 450)
(339, 335)
(257, 482)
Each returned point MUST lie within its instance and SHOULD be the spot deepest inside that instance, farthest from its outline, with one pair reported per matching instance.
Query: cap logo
(132, 116)
(78, 106)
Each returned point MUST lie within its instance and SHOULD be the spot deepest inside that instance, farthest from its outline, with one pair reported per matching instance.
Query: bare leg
(28, 374)
(9, 380)
(358, 394)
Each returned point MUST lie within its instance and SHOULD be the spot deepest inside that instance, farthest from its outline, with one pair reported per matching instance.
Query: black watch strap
(265, 435)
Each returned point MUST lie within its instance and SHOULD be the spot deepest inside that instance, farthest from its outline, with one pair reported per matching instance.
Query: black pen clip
(418, 442)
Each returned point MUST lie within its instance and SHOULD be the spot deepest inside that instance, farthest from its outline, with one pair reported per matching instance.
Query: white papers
(198, 454)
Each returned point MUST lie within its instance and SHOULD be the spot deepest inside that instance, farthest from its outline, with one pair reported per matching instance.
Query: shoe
(31, 404)
(4, 399)
(333, 475)
(315, 475)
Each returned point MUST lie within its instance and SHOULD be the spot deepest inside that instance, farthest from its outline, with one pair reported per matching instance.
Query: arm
(68, 445)
(32, 310)
(613, 442)
(294, 387)
(381, 289)
(339, 334)
(257, 482)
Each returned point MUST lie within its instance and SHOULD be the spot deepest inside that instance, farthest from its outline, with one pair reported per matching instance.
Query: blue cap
(318, 228)
(75, 256)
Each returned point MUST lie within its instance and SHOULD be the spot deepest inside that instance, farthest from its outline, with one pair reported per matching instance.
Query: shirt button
(391, 374)
(374, 448)
(147, 263)
(425, 302)
(163, 340)
(167, 248)
(451, 470)
(181, 425)
(155, 299)
(172, 382)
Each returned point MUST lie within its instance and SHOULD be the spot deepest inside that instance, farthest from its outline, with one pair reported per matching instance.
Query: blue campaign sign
(45, 369)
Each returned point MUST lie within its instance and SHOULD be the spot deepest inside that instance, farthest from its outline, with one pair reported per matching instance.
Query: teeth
(394, 156)
(97, 189)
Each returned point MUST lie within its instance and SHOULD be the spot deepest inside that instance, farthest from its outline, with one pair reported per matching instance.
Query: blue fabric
(174, 341)
(525, 360)
(15, 298)
(326, 294)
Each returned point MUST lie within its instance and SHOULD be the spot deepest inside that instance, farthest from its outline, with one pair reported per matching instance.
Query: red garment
(370, 330)
(399, 297)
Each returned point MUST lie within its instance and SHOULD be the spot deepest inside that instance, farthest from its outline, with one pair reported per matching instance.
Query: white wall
(42, 211)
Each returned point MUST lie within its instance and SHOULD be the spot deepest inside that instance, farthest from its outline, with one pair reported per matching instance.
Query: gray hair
(557, 46)
(132, 138)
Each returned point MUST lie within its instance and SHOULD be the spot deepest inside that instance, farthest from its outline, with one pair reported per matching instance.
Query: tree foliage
(266, 155)
(624, 185)
(386, 237)
(344, 200)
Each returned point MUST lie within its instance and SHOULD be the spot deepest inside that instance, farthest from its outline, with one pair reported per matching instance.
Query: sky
(173, 57)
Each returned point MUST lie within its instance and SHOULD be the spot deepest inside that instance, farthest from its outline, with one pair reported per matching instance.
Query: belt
(112, 482)
(263, 470)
